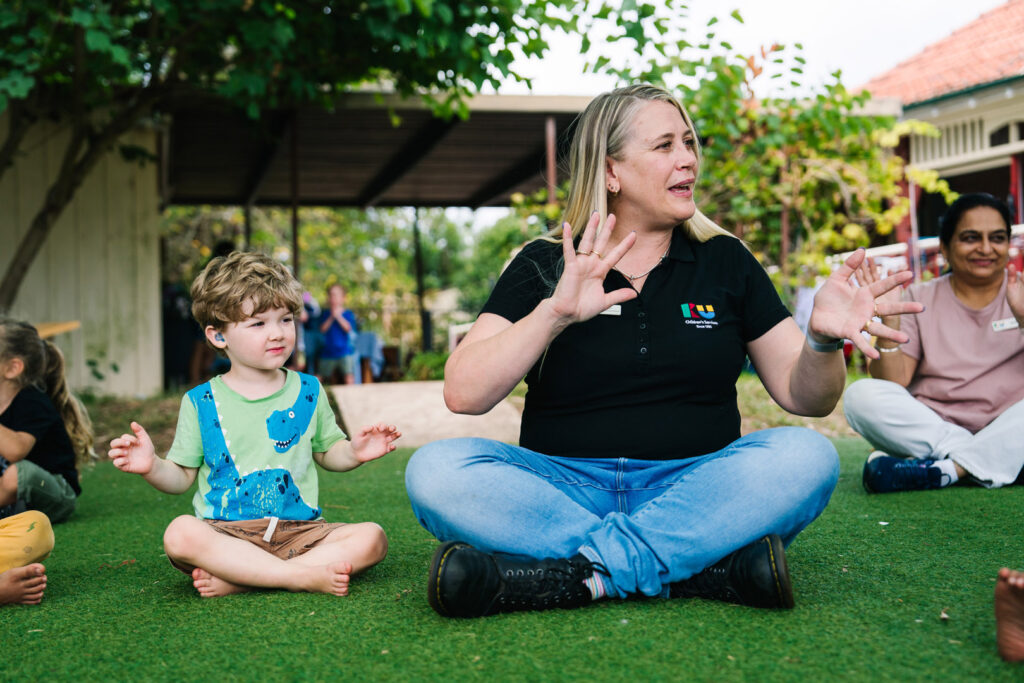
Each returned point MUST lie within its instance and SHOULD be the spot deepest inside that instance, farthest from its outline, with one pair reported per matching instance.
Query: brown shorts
(290, 538)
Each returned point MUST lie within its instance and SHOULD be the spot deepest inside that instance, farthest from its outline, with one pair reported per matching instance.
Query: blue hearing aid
(220, 337)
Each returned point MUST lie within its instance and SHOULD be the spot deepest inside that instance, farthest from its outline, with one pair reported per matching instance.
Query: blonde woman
(631, 476)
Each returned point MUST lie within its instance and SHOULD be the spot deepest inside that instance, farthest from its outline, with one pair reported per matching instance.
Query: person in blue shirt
(337, 350)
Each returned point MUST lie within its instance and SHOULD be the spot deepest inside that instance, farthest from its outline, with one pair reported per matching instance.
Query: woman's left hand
(843, 309)
(1015, 294)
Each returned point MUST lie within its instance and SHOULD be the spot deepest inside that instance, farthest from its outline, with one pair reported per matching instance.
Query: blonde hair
(44, 370)
(602, 131)
(220, 292)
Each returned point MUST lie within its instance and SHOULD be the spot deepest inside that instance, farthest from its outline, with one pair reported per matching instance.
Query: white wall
(100, 264)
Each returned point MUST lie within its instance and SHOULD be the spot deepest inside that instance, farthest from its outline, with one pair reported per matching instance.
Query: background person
(26, 539)
(337, 345)
(948, 404)
(631, 476)
(1009, 605)
(45, 433)
(309, 317)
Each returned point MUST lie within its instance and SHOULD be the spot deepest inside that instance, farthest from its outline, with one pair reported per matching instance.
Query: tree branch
(20, 123)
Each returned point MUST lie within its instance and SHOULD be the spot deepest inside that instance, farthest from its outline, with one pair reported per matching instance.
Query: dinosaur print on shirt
(268, 492)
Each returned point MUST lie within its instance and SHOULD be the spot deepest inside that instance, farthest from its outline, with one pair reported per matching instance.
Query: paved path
(418, 410)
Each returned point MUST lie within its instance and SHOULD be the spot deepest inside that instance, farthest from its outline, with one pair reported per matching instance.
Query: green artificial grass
(887, 587)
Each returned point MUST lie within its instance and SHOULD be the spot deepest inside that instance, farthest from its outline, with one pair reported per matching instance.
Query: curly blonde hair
(44, 370)
(221, 291)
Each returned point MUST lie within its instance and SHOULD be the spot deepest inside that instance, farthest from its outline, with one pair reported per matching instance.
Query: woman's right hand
(580, 293)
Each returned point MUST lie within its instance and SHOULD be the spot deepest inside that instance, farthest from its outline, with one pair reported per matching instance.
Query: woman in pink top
(948, 405)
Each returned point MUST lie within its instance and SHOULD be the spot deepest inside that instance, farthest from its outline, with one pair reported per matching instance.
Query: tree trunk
(19, 124)
(73, 171)
(784, 240)
(57, 199)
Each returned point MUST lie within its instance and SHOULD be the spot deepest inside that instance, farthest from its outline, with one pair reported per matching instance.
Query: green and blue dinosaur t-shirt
(255, 457)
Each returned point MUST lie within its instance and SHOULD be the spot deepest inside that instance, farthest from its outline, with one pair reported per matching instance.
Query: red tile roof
(988, 49)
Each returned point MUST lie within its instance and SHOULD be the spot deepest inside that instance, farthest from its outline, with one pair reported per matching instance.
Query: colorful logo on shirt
(706, 311)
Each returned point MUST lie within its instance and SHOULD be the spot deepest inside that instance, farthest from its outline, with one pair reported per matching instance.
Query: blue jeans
(649, 522)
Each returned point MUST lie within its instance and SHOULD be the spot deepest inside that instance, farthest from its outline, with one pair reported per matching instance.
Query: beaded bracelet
(823, 347)
(885, 350)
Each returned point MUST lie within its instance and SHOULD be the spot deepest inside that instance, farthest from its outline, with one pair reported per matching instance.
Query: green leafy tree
(104, 66)
(798, 170)
(493, 246)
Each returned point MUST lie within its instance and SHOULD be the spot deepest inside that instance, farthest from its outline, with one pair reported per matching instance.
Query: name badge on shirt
(1004, 324)
(616, 309)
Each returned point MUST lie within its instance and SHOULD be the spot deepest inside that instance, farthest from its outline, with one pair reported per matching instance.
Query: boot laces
(548, 584)
(712, 582)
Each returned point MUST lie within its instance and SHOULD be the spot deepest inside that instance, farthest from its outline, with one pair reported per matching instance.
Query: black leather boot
(466, 582)
(755, 575)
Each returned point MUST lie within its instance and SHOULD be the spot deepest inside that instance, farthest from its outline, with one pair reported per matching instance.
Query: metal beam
(405, 159)
(278, 129)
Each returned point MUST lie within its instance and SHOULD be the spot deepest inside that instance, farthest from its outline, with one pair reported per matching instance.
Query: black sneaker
(465, 582)
(755, 575)
(886, 474)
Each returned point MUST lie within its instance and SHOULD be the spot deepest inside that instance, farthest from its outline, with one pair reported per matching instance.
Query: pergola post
(293, 172)
(549, 140)
(425, 326)
(247, 227)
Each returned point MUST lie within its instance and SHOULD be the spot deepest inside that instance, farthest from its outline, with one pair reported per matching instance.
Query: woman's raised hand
(842, 309)
(580, 292)
(1015, 293)
(867, 275)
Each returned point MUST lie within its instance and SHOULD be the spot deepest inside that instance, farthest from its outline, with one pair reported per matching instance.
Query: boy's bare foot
(330, 578)
(1010, 614)
(209, 586)
(23, 585)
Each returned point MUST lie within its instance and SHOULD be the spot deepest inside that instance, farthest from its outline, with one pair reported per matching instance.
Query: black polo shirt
(31, 411)
(654, 378)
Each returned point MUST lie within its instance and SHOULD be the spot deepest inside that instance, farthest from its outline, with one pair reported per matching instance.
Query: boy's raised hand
(374, 441)
(133, 453)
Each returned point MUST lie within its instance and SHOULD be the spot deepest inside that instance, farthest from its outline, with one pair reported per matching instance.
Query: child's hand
(374, 441)
(133, 454)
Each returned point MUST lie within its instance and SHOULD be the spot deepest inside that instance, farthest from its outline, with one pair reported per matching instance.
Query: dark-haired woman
(948, 405)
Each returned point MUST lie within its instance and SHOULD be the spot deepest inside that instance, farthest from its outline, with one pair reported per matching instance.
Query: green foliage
(427, 365)
(797, 176)
(492, 249)
(259, 53)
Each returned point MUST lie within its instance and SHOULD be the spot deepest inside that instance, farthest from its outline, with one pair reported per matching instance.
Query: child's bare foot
(209, 586)
(330, 578)
(1010, 615)
(23, 585)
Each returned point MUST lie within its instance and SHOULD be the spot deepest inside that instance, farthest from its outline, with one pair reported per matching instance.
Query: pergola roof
(356, 156)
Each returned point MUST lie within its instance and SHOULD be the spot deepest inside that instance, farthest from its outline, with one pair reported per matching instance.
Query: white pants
(892, 420)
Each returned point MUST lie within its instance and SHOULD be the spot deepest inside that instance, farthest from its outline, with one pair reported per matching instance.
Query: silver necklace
(632, 278)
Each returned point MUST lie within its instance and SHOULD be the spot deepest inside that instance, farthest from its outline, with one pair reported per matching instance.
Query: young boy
(251, 434)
